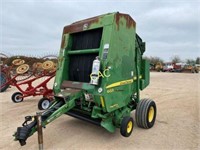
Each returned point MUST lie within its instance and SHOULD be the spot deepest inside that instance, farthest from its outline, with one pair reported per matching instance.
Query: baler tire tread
(142, 111)
(124, 124)
(139, 119)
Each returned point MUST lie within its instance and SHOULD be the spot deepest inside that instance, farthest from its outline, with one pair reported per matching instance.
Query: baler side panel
(119, 86)
(63, 62)
(106, 39)
(142, 64)
(144, 82)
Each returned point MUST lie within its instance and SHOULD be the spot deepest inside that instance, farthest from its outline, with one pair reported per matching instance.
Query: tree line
(173, 59)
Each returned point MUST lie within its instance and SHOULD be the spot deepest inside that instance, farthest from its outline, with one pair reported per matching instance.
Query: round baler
(99, 76)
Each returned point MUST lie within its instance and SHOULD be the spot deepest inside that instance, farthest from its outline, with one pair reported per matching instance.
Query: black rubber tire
(142, 117)
(192, 71)
(43, 103)
(15, 97)
(124, 126)
(4, 88)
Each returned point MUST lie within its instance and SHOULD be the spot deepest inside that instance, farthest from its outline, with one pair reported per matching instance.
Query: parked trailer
(99, 77)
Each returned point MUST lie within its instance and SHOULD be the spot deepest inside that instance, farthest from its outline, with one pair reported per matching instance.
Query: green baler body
(111, 41)
(124, 72)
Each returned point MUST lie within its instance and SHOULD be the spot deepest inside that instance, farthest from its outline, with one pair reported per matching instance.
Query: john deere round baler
(99, 76)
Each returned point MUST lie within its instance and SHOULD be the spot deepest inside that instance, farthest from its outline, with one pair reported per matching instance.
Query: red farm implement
(26, 87)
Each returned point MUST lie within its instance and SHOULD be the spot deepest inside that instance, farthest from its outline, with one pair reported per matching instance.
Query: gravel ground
(177, 126)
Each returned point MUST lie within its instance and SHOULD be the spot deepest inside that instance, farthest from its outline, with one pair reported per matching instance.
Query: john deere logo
(85, 26)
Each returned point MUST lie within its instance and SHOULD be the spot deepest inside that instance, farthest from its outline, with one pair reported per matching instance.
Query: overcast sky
(34, 27)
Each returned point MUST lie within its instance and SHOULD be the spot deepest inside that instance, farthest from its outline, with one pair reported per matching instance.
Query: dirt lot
(177, 125)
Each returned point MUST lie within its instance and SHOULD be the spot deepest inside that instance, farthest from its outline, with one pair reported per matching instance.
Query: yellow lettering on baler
(102, 101)
(119, 83)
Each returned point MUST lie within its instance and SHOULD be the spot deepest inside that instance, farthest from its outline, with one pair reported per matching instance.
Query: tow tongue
(65, 102)
(23, 132)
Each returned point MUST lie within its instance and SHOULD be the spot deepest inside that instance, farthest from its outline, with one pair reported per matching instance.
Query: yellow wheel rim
(37, 65)
(54, 68)
(151, 114)
(48, 65)
(129, 126)
(22, 69)
(18, 62)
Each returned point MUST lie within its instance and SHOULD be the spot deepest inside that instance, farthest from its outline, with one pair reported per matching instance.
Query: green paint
(125, 66)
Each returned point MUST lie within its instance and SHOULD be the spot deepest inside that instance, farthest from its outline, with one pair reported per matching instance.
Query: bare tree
(154, 60)
(147, 58)
(190, 61)
(175, 59)
(198, 60)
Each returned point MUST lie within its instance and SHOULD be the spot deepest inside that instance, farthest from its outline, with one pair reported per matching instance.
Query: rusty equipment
(159, 66)
(189, 68)
(47, 65)
(100, 74)
(8, 71)
(40, 89)
(22, 69)
(18, 62)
